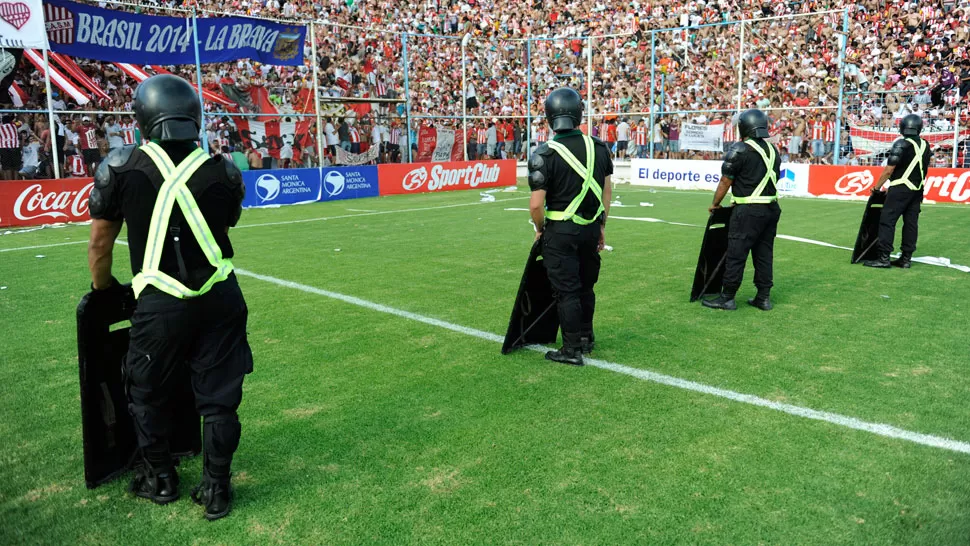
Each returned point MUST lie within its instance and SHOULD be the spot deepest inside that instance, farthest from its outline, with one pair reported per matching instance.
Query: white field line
(879, 429)
(371, 213)
(41, 246)
(395, 211)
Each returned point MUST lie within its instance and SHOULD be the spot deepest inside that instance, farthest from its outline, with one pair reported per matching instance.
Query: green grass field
(361, 426)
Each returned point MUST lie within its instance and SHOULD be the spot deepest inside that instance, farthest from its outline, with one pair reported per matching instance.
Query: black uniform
(901, 199)
(753, 226)
(206, 334)
(569, 249)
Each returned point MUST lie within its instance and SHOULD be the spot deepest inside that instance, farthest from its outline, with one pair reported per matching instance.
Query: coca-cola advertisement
(942, 185)
(38, 202)
(395, 179)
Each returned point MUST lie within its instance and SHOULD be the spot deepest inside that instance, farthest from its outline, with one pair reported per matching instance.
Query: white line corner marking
(646, 375)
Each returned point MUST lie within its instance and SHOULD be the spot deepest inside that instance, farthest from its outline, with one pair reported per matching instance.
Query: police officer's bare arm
(886, 173)
(722, 189)
(100, 247)
(537, 209)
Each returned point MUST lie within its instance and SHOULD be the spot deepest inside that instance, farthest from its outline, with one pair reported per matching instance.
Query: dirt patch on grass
(35, 495)
(443, 480)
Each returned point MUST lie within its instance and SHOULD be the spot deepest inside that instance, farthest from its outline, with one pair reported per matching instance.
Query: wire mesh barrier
(365, 95)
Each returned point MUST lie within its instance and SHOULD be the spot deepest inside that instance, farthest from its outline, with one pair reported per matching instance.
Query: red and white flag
(57, 77)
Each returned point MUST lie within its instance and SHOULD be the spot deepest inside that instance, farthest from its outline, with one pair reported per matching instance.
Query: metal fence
(643, 84)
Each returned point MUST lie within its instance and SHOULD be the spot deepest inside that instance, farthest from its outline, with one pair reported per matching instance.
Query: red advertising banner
(38, 202)
(942, 185)
(407, 178)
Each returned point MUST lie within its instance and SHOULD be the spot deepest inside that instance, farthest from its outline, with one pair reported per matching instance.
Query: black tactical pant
(900, 201)
(573, 266)
(753, 229)
(205, 337)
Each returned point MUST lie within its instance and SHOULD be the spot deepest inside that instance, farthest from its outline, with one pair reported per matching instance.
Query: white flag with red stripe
(869, 140)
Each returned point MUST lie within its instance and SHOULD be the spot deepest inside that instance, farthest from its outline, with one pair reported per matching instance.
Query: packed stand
(901, 57)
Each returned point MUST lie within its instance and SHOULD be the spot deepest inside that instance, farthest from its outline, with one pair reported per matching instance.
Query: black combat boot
(724, 301)
(567, 355)
(215, 496)
(882, 262)
(586, 344)
(761, 301)
(904, 261)
(160, 487)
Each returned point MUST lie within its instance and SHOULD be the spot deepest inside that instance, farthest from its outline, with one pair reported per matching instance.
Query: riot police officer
(750, 169)
(909, 159)
(570, 179)
(179, 204)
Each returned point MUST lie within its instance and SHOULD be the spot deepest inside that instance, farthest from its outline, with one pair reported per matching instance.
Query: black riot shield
(866, 243)
(710, 263)
(110, 444)
(535, 316)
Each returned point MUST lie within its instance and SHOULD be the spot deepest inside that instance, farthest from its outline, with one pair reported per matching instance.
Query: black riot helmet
(167, 108)
(753, 124)
(911, 126)
(564, 109)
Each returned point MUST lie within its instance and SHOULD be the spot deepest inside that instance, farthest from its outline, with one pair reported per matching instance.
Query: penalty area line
(878, 429)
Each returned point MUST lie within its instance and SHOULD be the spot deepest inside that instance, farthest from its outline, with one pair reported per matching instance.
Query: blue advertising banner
(281, 187)
(89, 32)
(349, 182)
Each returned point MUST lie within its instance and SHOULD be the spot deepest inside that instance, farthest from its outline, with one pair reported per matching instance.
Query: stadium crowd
(900, 57)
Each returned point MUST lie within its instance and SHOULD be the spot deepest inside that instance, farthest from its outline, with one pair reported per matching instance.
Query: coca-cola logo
(415, 179)
(35, 203)
(854, 183)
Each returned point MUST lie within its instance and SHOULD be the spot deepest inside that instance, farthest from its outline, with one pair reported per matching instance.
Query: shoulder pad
(598, 142)
(120, 156)
(233, 174)
(543, 150)
(736, 149)
(896, 152)
(103, 194)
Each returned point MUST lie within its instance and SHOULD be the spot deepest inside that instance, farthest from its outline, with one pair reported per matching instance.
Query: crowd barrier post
(464, 98)
(956, 133)
(653, 87)
(589, 85)
(741, 68)
(198, 75)
(839, 120)
(407, 92)
(316, 92)
(50, 116)
(528, 99)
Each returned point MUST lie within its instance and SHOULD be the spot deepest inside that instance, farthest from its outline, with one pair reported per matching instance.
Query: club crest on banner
(15, 13)
(287, 45)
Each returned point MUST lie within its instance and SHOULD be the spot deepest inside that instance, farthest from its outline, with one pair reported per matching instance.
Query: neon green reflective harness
(589, 184)
(770, 176)
(174, 190)
(920, 149)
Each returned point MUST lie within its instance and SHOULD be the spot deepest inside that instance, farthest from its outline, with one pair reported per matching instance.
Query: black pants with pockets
(573, 266)
(205, 336)
(753, 229)
(900, 201)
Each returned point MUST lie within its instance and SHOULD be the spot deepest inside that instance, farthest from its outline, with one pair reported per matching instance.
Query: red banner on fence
(942, 185)
(38, 202)
(439, 144)
(434, 177)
